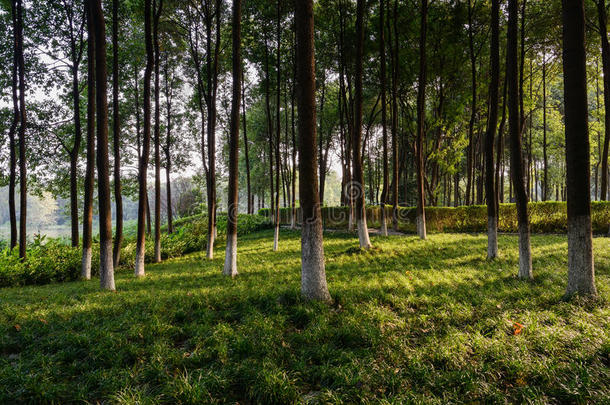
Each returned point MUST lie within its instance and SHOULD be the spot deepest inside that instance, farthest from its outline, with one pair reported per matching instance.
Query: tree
(382, 82)
(212, 87)
(20, 62)
(230, 268)
(313, 276)
(516, 160)
(13, 130)
(157, 9)
(421, 116)
(116, 135)
(581, 272)
(605, 45)
(103, 171)
(90, 168)
(143, 164)
(357, 185)
(490, 192)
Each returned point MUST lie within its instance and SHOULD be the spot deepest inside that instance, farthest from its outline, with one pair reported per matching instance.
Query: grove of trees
(429, 103)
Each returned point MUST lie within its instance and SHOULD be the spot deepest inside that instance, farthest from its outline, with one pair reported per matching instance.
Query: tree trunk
(142, 174)
(246, 156)
(168, 149)
(276, 233)
(90, 170)
(313, 275)
(212, 67)
(74, 153)
(394, 64)
(473, 107)
(230, 268)
(18, 30)
(514, 127)
(103, 169)
(12, 131)
(116, 130)
(581, 272)
(545, 189)
(357, 186)
(421, 116)
(382, 81)
(293, 207)
(490, 192)
(157, 137)
(603, 23)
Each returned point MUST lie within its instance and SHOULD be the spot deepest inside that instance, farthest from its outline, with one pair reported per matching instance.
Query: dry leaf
(517, 328)
(17, 327)
(43, 321)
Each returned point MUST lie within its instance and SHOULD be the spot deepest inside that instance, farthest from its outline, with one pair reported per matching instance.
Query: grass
(413, 321)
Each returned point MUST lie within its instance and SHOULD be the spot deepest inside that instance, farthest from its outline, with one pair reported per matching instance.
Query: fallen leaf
(17, 327)
(517, 328)
(44, 321)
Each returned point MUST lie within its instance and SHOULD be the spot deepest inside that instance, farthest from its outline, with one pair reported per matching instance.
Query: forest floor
(412, 321)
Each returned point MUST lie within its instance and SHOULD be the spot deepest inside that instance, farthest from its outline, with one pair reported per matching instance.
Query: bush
(46, 262)
(545, 217)
(53, 260)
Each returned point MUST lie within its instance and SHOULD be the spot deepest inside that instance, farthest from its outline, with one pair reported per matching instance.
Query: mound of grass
(415, 321)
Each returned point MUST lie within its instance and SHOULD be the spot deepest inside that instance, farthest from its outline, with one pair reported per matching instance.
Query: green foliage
(545, 217)
(47, 262)
(412, 322)
(53, 260)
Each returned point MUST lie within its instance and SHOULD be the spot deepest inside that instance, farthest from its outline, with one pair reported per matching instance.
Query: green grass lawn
(413, 321)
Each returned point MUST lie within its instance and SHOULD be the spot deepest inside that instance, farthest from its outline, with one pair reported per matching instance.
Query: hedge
(545, 217)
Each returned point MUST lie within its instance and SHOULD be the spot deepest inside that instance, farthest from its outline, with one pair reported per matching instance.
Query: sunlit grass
(412, 321)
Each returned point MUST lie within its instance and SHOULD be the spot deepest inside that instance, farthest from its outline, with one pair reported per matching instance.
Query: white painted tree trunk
(313, 273)
(363, 235)
(581, 268)
(421, 227)
(139, 269)
(525, 253)
(210, 247)
(293, 219)
(492, 238)
(383, 228)
(86, 264)
(276, 237)
(230, 268)
(106, 266)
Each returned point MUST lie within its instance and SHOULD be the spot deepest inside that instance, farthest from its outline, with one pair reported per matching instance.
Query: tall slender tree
(357, 186)
(143, 164)
(605, 45)
(103, 169)
(492, 123)
(13, 131)
(116, 138)
(313, 275)
(230, 268)
(157, 10)
(514, 129)
(421, 116)
(90, 166)
(581, 272)
(382, 82)
(23, 185)
(276, 233)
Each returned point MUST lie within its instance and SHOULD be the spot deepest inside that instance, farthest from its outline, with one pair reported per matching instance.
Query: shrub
(53, 260)
(46, 262)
